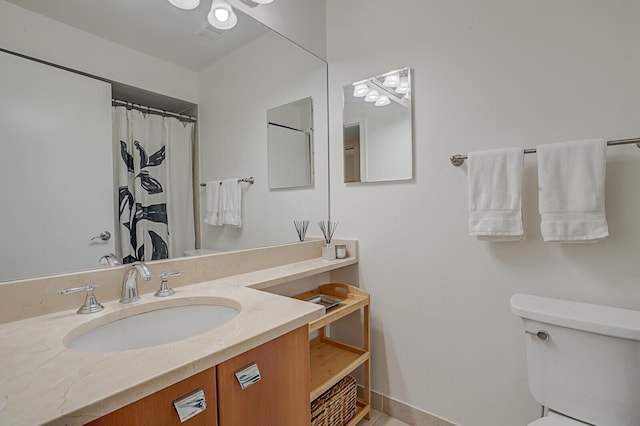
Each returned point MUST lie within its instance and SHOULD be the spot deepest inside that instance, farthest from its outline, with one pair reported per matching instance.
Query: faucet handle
(165, 275)
(165, 290)
(109, 259)
(91, 304)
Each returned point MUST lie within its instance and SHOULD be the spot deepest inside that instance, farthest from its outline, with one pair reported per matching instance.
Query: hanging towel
(571, 180)
(495, 194)
(213, 214)
(231, 202)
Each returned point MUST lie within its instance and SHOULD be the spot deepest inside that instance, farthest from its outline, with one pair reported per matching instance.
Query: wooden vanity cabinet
(157, 409)
(279, 398)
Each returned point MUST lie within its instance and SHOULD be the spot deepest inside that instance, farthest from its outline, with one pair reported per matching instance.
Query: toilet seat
(555, 419)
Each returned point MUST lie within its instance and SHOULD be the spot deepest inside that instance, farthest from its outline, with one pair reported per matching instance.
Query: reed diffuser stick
(328, 230)
(301, 228)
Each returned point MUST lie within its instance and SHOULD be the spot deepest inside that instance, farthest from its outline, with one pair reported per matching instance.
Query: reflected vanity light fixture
(185, 4)
(403, 85)
(383, 101)
(392, 80)
(372, 96)
(380, 89)
(384, 88)
(222, 15)
(360, 90)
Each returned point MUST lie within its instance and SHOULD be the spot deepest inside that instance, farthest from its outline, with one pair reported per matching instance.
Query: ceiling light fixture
(372, 96)
(185, 4)
(222, 15)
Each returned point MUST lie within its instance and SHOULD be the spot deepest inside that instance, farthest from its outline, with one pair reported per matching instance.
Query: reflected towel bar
(248, 180)
(458, 159)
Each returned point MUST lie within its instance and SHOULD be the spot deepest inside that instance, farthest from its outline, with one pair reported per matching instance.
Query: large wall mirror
(377, 132)
(61, 181)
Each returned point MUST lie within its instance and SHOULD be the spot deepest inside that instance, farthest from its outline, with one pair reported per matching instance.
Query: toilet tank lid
(606, 320)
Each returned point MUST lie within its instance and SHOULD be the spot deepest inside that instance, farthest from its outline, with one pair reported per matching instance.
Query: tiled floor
(379, 419)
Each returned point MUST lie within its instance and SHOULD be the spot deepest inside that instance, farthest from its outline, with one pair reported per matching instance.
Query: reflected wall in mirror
(176, 64)
(235, 94)
(290, 132)
(377, 130)
(55, 169)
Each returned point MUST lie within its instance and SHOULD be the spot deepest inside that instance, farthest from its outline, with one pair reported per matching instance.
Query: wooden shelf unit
(332, 360)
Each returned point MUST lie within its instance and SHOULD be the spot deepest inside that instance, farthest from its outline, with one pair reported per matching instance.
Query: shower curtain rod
(151, 110)
(458, 159)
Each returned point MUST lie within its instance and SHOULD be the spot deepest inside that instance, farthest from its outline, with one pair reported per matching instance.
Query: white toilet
(583, 361)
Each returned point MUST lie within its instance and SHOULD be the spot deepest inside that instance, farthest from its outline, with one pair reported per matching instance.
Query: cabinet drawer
(157, 409)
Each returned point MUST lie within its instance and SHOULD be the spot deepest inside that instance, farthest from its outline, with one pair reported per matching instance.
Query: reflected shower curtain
(153, 157)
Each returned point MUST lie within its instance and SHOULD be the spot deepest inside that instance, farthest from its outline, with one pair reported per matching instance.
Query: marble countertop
(42, 381)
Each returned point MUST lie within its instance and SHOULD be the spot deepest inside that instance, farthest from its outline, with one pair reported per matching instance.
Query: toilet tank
(589, 367)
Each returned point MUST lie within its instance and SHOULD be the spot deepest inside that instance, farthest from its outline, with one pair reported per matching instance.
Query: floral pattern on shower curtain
(153, 157)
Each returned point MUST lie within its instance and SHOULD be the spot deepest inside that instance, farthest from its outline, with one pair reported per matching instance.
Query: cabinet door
(280, 397)
(157, 409)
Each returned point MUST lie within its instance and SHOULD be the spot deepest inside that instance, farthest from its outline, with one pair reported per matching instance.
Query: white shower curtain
(153, 156)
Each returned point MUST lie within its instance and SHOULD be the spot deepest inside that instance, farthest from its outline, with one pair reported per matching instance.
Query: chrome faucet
(109, 260)
(130, 283)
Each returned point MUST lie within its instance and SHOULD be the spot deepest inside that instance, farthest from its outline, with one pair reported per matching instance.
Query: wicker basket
(336, 406)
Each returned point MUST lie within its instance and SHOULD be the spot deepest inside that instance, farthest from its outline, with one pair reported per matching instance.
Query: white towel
(571, 180)
(495, 194)
(231, 202)
(213, 214)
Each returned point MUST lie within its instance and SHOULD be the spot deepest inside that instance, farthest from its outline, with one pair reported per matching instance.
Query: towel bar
(248, 180)
(458, 159)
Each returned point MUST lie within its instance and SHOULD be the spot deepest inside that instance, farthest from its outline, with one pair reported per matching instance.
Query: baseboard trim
(405, 412)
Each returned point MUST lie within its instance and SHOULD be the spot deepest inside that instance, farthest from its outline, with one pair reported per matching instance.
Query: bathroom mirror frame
(377, 123)
(321, 145)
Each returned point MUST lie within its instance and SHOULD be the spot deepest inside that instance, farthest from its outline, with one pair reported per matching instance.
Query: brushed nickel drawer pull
(190, 405)
(248, 375)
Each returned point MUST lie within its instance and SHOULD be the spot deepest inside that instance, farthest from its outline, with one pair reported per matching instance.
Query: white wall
(302, 21)
(235, 94)
(34, 35)
(488, 74)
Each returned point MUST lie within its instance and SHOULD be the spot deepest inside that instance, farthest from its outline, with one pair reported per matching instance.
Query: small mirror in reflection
(290, 148)
(377, 135)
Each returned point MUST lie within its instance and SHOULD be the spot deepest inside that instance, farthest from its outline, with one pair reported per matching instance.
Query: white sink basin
(151, 328)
